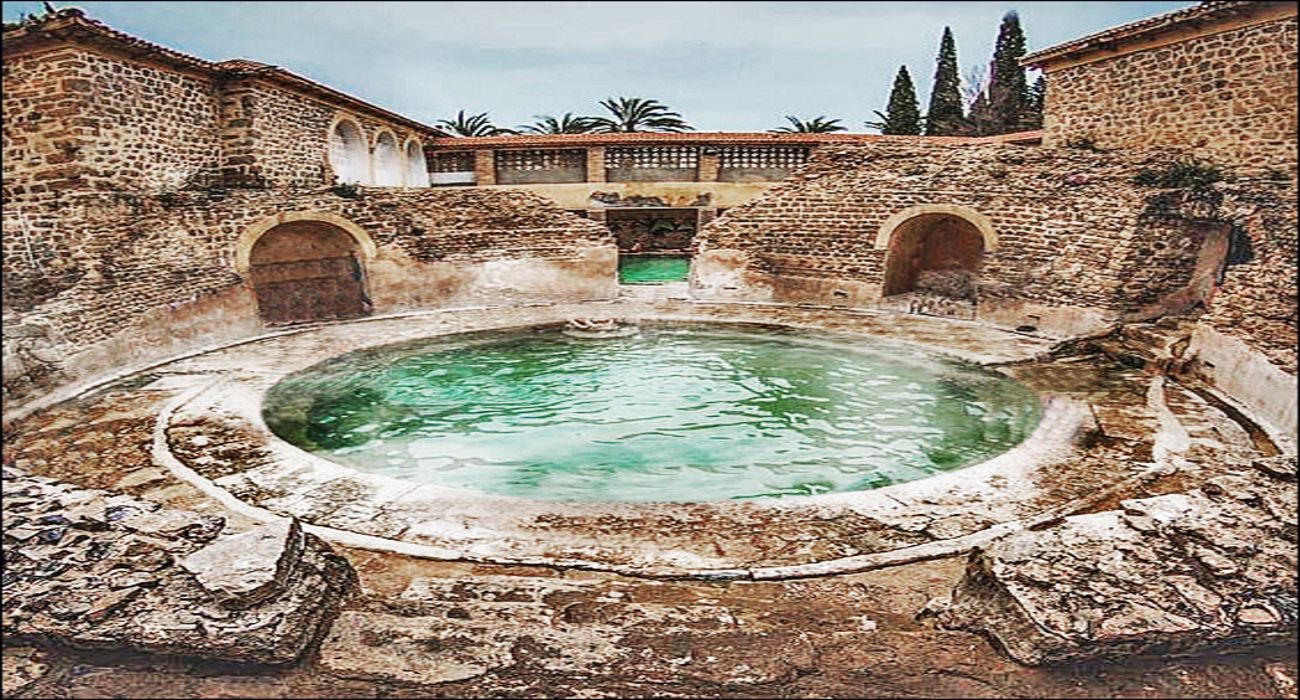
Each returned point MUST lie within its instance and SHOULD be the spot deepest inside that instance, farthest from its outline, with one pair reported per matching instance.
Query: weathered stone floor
(428, 629)
(425, 628)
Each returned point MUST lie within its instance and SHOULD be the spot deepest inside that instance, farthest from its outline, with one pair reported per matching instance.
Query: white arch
(981, 222)
(417, 170)
(348, 153)
(388, 161)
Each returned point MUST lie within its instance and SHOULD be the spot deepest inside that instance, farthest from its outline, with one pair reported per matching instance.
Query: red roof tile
(1205, 11)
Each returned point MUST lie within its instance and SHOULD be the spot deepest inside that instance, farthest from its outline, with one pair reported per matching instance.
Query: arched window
(348, 153)
(388, 161)
(417, 171)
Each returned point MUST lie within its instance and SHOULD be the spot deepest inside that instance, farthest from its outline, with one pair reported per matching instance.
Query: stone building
(154, 201)
(1218, 78)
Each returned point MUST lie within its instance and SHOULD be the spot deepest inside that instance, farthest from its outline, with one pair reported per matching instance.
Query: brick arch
(982, 223)
(247, 239)
(303, 269)
(936, 252)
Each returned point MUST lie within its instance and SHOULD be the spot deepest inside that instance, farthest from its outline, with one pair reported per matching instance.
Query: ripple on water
(671, 414)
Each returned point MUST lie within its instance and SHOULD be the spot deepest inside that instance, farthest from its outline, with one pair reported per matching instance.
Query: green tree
(945, 116)
(567, 124)
(474, 125)
(903, 115)
(817, 125)
(981, 122)
(1008, 96)
(636, 114)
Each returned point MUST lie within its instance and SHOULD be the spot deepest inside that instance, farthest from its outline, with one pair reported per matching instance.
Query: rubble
(94, 570)
(1210, 570)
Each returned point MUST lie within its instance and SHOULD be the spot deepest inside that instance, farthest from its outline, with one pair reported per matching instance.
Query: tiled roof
(72, 25)
(1144, 28)
(708, 139)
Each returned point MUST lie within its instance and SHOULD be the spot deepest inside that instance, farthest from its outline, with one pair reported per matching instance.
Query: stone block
(245, 569)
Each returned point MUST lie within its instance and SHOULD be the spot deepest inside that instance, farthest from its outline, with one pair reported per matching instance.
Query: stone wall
(120, 124)
(292, 145)
(1229, 95)
(1068, 230)
(1072, 245)
(155, 276)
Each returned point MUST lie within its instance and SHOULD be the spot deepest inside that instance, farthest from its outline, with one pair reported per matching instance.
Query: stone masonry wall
(292, 143)
(157, 273)
(1075, 235)
(1231, 96)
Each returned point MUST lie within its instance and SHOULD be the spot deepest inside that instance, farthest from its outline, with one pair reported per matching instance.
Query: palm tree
(568, 124)
(474, 125)
(636, 114)
(817, 125)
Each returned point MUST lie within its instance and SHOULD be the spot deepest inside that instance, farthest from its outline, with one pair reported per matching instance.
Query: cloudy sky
(726, 66)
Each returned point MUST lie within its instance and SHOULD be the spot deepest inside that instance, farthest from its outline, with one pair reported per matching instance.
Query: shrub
(347, 190)
(1187, 173)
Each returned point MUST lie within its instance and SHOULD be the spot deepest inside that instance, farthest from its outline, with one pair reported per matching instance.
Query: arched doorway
(307, 271)
(934, 253)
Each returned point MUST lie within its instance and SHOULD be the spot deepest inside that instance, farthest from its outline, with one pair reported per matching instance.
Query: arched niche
(388, 161)
(348, 153)
(417, 170)
(937, 249)
(306, 269)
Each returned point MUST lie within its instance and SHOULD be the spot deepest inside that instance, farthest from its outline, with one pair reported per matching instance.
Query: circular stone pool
(673, 413)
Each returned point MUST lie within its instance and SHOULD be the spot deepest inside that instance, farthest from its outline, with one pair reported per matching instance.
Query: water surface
(674, 413)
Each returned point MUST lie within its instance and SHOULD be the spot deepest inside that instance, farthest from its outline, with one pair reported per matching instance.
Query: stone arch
(305, 269)
(387, 160)
(244, 246)
(937, 249)
(349, 155)
(417, 170)
(982, 223)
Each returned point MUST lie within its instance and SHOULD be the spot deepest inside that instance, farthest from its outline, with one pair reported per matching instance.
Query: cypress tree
(903, 115)
(980, 122)
(945, 117)
(1008, 92)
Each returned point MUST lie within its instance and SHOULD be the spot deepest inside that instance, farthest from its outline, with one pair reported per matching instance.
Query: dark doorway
(307, 271)
(935, 253)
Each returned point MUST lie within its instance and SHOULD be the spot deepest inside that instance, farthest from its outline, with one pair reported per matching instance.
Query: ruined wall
(1230, 95)
(156, 276)
(1064, 221)
(1078, 244)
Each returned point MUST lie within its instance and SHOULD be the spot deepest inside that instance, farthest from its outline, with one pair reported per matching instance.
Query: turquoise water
(675, 413)
(652, 269)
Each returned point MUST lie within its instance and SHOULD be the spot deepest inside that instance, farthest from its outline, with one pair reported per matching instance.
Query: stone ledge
(92, 570)
(1210, 570)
